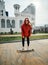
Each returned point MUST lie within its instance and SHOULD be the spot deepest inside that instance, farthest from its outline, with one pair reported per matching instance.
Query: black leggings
(23, 41)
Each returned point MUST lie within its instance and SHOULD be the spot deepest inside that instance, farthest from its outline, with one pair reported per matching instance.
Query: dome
(16, 6)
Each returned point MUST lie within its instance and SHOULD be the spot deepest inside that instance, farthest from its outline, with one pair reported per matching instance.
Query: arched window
(8, 23)
(2, 23)
(13, 23)
(21, 22)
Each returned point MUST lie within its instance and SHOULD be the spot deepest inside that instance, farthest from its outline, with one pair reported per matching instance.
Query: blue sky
(41, 9)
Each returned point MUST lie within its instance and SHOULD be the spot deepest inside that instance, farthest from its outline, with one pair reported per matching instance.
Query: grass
(3, 39)
(39, 37)
(9, 38)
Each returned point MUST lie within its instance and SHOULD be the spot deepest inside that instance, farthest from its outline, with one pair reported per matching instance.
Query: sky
(41, 16)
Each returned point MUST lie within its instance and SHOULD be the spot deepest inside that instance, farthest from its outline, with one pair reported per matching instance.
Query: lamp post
(11, 31)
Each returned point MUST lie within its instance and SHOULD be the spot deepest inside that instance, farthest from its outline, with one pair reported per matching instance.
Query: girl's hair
(27, 20)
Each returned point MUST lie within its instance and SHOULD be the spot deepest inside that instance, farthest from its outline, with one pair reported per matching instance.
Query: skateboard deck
(25, 50)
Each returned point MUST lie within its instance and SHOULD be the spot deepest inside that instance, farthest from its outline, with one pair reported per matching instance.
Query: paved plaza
(10, 56)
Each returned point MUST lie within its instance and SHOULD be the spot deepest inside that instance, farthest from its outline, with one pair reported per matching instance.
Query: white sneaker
(27, 47)
(23, 48)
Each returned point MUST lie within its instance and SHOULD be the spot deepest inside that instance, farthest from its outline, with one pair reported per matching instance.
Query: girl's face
(26, 21)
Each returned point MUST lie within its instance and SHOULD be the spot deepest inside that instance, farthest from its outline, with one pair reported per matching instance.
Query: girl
(26, 32)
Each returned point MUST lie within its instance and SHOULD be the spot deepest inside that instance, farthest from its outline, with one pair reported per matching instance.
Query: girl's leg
(28, 41)
(23, 40)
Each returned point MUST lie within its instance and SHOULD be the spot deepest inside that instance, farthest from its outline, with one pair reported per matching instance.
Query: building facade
(14, 23)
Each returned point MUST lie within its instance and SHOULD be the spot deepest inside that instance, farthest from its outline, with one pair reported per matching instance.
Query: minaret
(2, 8)
(16, 9)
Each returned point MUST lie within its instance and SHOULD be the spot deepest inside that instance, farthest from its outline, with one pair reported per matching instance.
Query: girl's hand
(23, 36)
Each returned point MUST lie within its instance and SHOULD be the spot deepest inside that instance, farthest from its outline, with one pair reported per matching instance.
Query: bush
(5, 33)
(1, 33)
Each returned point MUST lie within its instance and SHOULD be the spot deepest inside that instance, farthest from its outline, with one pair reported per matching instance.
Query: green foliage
(2, 39)
(39, 37)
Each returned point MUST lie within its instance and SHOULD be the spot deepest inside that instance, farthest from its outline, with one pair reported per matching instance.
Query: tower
(16, 9)
(2, 8)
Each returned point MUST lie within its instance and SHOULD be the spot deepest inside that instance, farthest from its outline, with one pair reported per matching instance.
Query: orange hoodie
(26, 28)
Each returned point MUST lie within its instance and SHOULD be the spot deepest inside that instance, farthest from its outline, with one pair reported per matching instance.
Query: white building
(6, 22)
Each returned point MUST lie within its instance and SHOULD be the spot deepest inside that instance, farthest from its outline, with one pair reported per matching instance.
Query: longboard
(25, 50)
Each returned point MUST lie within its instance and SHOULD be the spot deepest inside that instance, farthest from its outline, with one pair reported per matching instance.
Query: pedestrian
(26, 29)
